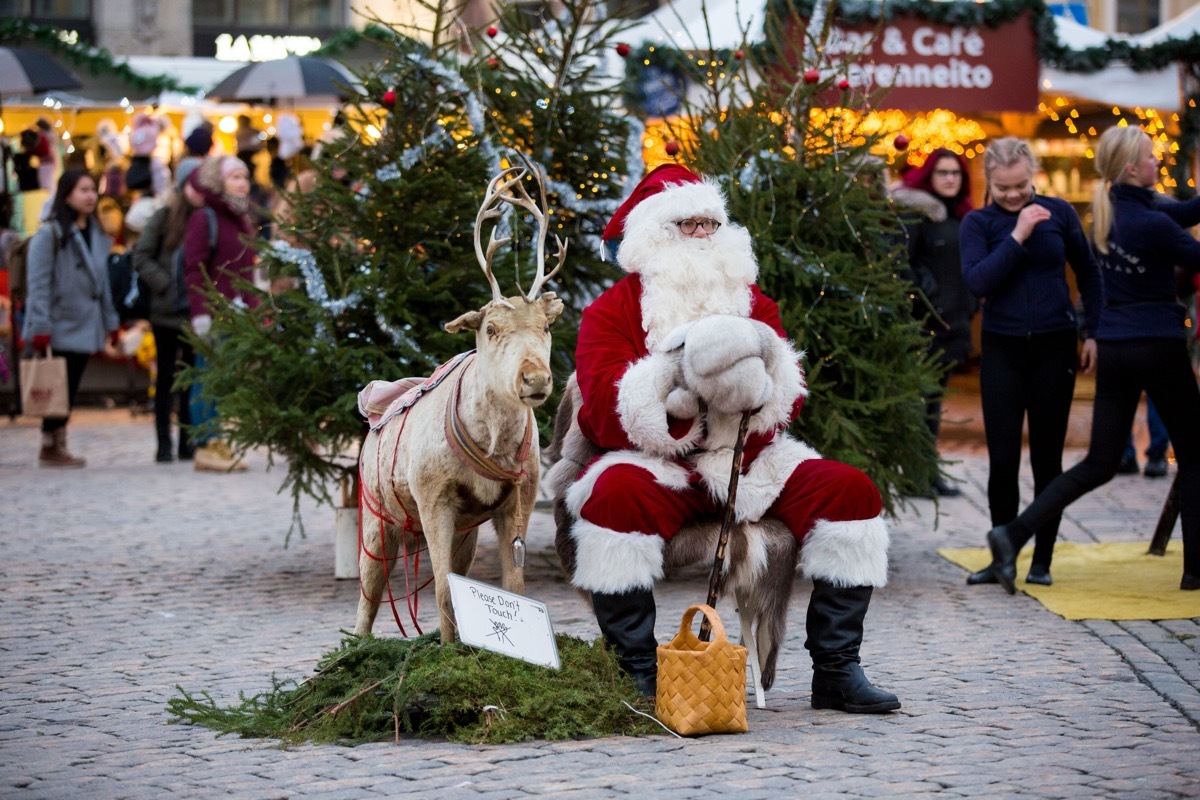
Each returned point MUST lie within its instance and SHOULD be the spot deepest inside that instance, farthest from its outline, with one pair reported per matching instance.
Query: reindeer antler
(509, 187)
(497, 192)
(542, 215)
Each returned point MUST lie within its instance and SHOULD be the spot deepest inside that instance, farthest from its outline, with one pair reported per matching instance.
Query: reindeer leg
(464, 552)
(372, 571)
(745, 609)
(439, 541)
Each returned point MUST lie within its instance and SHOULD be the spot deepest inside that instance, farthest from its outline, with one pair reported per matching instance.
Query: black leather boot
(627, 622)
(835, 631)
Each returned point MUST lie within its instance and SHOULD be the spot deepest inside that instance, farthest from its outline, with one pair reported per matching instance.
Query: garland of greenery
(97, 60)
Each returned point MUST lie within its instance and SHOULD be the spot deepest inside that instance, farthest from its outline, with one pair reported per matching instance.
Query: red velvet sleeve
(610, 339)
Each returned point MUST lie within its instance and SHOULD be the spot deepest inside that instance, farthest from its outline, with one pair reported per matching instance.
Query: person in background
(1014, 255)
(46, 150)
(249, 141)
(196, 147)
(69, 306)
(1142, 344)
(223, 183)
(25, 161)
(157, 258)
(111, 150)
(1156, 450)
(939, 191)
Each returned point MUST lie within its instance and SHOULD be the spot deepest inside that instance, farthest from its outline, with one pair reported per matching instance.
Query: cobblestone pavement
(127, 578)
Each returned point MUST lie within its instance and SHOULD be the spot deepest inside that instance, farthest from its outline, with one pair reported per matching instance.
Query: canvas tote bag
(701, 685)
(44, 386)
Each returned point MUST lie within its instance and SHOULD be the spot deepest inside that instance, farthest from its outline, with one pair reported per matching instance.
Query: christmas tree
(799, 173)
(382, 251)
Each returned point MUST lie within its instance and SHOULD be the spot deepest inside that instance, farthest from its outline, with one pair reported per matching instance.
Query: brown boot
(54, 451)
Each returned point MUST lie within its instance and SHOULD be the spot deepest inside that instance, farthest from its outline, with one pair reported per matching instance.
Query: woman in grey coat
(69, 306)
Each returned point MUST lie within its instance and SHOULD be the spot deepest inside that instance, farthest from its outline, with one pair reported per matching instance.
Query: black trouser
(172, 348)
(76, 364)
(1030, 376)
(933, 406)
(1162, 369)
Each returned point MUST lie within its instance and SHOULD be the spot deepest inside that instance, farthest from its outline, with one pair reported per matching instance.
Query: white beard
(688, 279)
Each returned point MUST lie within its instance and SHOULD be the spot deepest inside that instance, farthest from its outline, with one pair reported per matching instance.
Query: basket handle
(710, 613)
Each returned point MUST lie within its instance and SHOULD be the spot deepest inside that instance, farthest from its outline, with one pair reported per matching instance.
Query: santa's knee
(847, 542)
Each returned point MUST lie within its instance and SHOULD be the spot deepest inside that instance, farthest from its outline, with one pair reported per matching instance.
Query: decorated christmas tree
(778, 125)
(382, 251)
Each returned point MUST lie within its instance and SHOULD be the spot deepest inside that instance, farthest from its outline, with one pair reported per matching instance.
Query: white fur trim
(641, 405)
(669, 474)
(759, 488)
(611, 562)
(783, 365)
(673, 203)
(847, 554)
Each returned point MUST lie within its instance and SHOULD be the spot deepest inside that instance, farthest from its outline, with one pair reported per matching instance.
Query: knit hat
(200, 141)
(230, 165)
(185, 169)
(668, 192)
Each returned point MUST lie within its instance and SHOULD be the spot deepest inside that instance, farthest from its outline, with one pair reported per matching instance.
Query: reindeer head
(512, 334)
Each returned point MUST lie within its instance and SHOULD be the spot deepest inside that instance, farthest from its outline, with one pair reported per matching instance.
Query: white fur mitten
(723, 362)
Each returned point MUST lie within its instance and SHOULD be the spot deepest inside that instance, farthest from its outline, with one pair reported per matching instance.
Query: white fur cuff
(641, 405)
(611, 562)
(847, 554)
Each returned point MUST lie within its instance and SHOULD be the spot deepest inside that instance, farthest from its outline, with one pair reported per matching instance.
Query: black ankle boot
(985, 575)
(1004, 558)
(835, 630)
(627, 622)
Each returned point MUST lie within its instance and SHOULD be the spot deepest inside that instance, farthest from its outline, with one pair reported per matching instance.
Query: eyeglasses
(948, 173)
(688, 226)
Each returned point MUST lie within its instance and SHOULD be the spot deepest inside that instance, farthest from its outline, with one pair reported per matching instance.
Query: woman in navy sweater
(1142, 345)
(1014, 255)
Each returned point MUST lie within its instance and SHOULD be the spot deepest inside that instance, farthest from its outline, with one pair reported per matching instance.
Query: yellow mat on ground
(1100, 581)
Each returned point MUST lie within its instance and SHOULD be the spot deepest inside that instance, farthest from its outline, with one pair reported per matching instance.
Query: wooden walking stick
(717, 578)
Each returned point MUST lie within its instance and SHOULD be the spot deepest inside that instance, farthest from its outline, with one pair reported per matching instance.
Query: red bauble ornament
(389, 98)
(900, 142)
(492, 31)
(739, 55)
(844, 84)
(812, 76)
(493, 62)
(672, 148)
(623, 49)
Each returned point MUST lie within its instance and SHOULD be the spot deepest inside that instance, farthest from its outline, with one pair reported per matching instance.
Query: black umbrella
(24, 71)
(292, 78)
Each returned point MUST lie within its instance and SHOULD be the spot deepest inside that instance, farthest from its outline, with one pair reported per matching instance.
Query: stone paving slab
(125, 579)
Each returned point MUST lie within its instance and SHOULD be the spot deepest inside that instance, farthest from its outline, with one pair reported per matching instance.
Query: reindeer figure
(468, 451)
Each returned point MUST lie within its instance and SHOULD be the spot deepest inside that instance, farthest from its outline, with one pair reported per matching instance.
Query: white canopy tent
(1116, 84)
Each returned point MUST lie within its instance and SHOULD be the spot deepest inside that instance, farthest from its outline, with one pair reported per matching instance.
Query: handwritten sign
(503, 622)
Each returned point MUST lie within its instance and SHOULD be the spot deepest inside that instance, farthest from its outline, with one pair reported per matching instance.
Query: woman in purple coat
(226, 266)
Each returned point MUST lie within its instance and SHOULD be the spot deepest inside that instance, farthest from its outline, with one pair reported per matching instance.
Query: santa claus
(668, 359)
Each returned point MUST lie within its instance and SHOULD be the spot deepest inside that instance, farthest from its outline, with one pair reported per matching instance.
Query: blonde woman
(1142, 343)
(1015, 253)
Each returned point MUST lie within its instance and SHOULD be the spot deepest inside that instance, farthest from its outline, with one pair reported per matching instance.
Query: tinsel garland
(96, 60)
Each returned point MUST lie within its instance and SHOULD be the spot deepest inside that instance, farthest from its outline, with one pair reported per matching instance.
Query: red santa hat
(667, 193)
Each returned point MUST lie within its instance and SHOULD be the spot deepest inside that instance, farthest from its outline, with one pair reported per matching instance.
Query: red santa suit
(664, 463)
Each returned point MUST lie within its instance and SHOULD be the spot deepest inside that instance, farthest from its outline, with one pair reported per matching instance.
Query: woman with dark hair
(69, 306)
(934, 199)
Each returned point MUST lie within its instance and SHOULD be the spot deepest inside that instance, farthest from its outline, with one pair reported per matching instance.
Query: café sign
(920, 65)
(263, 47)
